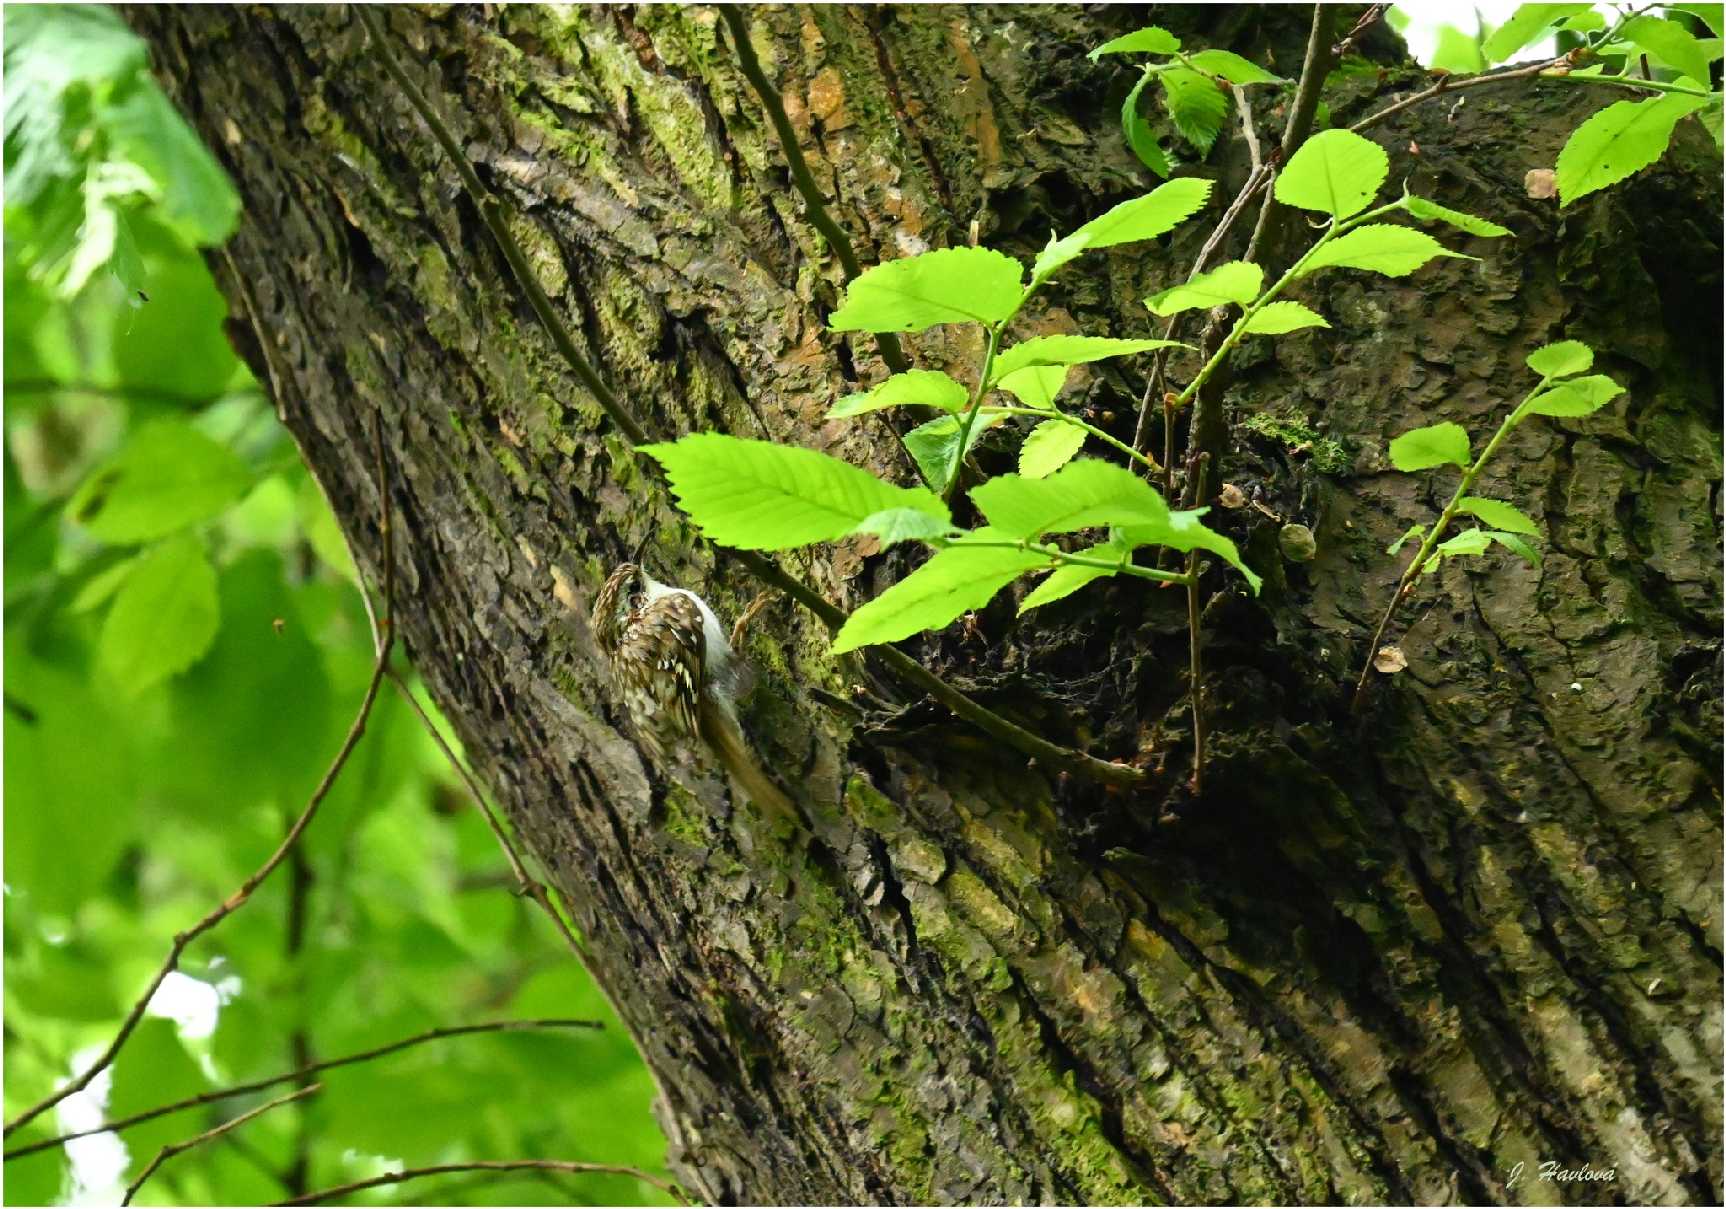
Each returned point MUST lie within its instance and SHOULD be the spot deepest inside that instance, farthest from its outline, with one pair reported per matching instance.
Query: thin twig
(173, 1148)
(1448, 84)
(1301, 114)
(287, 1076)
(526, 883)
(774, 104)
(1048, 754)
(1367, 20)
(240, 897)
(414, 1173)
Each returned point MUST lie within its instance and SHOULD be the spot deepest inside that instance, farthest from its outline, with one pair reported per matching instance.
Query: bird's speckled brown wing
(658, 666)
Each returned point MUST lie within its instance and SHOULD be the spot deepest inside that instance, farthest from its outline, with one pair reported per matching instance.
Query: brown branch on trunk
(241, 1089)
(173, 1148)
(384, 641)
(526, 884)
(415, 1173)
(1060, 758)
(816, 205)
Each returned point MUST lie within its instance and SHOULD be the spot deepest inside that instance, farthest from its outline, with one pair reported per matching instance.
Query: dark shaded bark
(1384, 958)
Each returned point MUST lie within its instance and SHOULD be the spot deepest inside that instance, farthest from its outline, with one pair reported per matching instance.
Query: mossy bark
(1386, 958)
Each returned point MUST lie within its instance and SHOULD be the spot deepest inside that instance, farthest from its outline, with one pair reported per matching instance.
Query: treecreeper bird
(678, 676)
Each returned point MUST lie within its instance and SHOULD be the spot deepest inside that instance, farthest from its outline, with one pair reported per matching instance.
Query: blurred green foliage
(184, 648)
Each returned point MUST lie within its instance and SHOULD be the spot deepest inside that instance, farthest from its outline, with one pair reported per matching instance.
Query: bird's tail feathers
(720, 729)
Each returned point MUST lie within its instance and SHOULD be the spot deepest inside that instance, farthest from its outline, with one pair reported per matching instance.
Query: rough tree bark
(1384, 958)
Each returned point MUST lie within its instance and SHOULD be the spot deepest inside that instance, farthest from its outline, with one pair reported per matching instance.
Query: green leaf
(1083, 494)
(1156, 213)
(1059, 251)
(927, 387)
(1670, 43)
(1068, 578)
(1435, 445)
(1431, 211)
(953, 285)
(164, 616)
(40, 1178)
(1276, 318)
(100, 586)
(197, 200)
(959, 578)
(1067, 350)
(1196, 105)
(1232, 67)
(1186, 531)
(1139, 135)
(153, 1068)
(1379, 248)
(1335, 172)
(1050, 446)
(897, 525)
(1517, 546)
(1709, 14)
(1413, 532)
(1457, 52)
(1574, 397)
(1618, 142)
(1469, 541)
(1035, 385)
(1153, 40)
(168, 476)
(1526, 24)
(1236, 281)
(1498, 514)
(755, 495)
(1562, 359)
(935, 446)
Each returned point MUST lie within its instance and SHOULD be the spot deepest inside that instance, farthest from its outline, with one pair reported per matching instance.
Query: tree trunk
(1389, 957)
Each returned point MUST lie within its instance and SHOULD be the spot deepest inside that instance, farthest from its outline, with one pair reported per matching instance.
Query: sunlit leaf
(924, 387)
(1498, 514)
(1237, 281)
(1153, 39)
(952, 285)
(1276, 318)
(957, 579)
(1562, 359)
(164, 616)
(1335, 172)
(1618, 142)
(1434, 445)
(1379, 248)
(166, 477)
(1050, 446)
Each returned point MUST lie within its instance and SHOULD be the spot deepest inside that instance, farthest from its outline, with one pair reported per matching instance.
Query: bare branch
(385, 641)
(169, 1151)
(415, 1173)
(288, 1076)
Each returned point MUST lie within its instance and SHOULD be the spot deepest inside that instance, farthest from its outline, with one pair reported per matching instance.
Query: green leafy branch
(1560, 392)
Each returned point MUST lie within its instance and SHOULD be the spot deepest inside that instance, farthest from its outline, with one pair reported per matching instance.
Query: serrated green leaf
(1574, 397)
(1561, 359)
(1036, 385)
(959, 578)
(1156, 213)
(1434, 445)
(1067, 350)
(756, 495)
(1618, 142)
(1709, 14)
(1139, 135)
(1186, 531)
(1498, 514)
(1431, 211)
(1468, 541)
(935, 446)
(1080, 495)
(952, 285)
(1517, 546)
(897, 525)
(1527, 23)
(1413, 532)
(925, 387)
(168, 476)
(1335, 172)
(164, 616)
(1057, 252)
(1379, 248)
(1068, 578)
(1232, 67)
(1237, 281)
(1050, 446)
(1152, 40)
(1276, 318)
(1670, 43)
(1196, 105)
